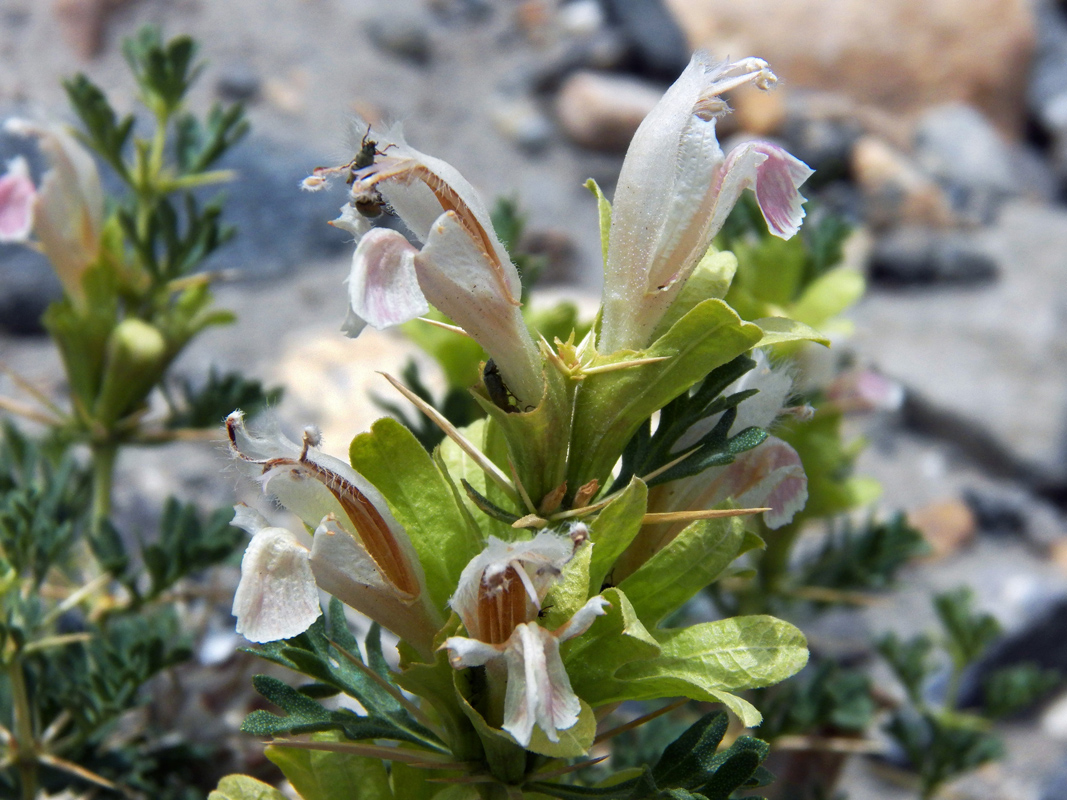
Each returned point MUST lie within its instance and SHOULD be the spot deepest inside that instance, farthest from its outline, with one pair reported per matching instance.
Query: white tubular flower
(360, 553)
(277, 597)
(498, 597)
(769, 475)
(17, 195)
(462, 268)
(539, 691)
(68, 209)
(675, 191)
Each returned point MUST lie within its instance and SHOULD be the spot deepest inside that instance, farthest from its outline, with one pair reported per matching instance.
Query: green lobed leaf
(713, 659)
(244, 787)
(391, 458)
(694, 559)
(778, 330)
(611, 406)
(613, 640)
(613, 530)
(322, 775)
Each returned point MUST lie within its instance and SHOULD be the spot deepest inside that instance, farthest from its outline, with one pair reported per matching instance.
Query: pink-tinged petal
(464, 652)
(277, 597)
(774, 175)
(69, 208)
(462, 280)
(539, 691)
(314, 485)
(382, 287)
(769, 475)
(583, 618)
(17, 194)
(863, 390)
(667, 207)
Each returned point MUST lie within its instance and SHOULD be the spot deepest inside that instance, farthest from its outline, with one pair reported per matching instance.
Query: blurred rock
(1047, 90)
(405, 36)
(947, 526)
(520, 120)
(280, 226)
(1041, 641)
(238, 82)
(27, 286)
(996, 515)
(995, 355)
(823, 143)
(759, 112)
(581, 18)
(559, 251)
(82, 24)
(895, 190)
(914, 255)
(956, 145)
(937, 51)
(658, 46)
(602, 111)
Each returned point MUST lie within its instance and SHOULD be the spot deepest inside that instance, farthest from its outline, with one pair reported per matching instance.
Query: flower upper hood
(675, 191)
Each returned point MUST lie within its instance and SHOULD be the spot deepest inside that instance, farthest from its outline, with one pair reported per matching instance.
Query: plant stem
(25, 743)
(104, 456)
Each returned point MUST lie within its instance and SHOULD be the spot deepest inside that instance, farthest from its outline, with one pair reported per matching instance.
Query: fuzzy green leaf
(322, 775)
(244, 787)
(612, 405)
(615, 639)
(777, 330)
(613, 530)
(391, 458)
(694, 559)
(711, 278)
(711, 660)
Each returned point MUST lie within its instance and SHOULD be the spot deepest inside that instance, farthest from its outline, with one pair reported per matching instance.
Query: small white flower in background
(461, 269)
(769, 475)
(359, 553)
(68, 209)
(676, 189)
(498, 599)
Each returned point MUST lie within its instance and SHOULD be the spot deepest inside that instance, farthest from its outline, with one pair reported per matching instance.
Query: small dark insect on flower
(543, 611)
(367, 201)
(497, 389)
(368, 151)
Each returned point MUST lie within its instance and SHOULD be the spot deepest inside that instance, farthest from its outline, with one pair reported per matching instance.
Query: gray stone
(280, 226)
(238, 81)
(823, 143)
(912, 256)
(27, 286)
(658, 45)
(995, 354)
(405, 36)
(520, 120)
(960, 148)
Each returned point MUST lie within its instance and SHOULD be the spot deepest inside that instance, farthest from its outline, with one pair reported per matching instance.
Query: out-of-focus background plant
(96, 618)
